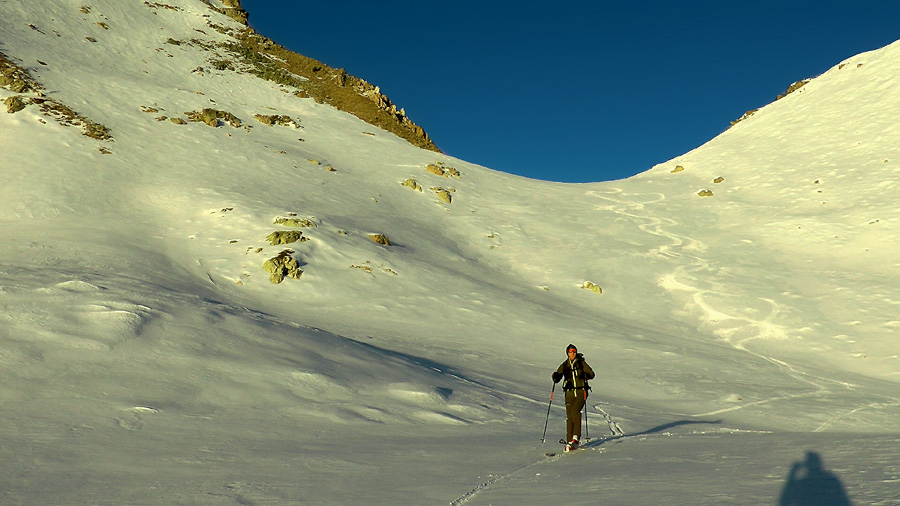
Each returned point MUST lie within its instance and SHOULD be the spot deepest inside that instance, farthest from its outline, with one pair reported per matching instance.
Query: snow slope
(146, 358)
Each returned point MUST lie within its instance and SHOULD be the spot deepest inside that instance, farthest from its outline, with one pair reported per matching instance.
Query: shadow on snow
(595, 442)
(809, 484)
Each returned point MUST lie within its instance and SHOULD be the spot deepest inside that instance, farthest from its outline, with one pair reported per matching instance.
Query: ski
(574, 448)
(571, 449)
(583, 441)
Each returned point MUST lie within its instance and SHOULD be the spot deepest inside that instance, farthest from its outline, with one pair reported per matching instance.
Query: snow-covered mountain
(740, 303)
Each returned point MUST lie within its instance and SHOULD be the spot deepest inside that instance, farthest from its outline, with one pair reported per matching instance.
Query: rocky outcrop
(15, 78)
(281, 266)
(212, 116)
(742, 118)
(443, 194)
(588, 285)
(285, 237)
(232, 9)
(15, 104)
(412, 183)
(293, 221)
(313, 79)
(275, 119)
(439, 169)
(792, 88)
(18, 80)
(380, 239)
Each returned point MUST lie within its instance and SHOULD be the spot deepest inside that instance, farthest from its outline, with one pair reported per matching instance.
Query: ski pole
(587, 435)
(544, 435)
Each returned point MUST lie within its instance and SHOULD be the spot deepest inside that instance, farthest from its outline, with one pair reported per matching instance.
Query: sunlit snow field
(146, 358)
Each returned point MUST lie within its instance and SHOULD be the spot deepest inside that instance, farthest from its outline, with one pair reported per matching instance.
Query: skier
(576, 373)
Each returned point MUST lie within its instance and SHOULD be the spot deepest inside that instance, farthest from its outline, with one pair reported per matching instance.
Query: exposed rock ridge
(325, 84)
(232, 9)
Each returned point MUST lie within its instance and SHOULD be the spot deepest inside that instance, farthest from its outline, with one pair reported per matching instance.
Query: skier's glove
(557, 376)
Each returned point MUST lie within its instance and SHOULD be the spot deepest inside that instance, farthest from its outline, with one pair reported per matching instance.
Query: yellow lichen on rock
(295, 222)
(285, 237)
(439, 169)
(443, 194)
(587, 285)
(15, 104)
(212, 116)
(412, 183)
(380, 239)
(277, 120)
(282, 265)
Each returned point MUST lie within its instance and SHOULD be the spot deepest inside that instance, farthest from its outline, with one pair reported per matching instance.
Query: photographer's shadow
(809, 484)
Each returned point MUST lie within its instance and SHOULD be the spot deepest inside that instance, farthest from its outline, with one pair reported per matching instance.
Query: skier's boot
(573, 444)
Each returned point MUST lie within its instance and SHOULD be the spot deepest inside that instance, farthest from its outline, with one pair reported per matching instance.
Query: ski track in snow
(505, 477)
(680, 247)
(616, 434)
(735, 329)
(484, 486)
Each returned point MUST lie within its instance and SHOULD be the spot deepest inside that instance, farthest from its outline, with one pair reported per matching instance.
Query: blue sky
(578, 91)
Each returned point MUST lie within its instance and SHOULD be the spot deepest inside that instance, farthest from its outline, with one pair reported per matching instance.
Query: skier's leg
(572, 414)
(577, 405)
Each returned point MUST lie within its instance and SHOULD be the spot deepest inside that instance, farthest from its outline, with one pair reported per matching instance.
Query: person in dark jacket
(576, 373)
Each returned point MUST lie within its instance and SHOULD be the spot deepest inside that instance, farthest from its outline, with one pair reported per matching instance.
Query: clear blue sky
(578, 91)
